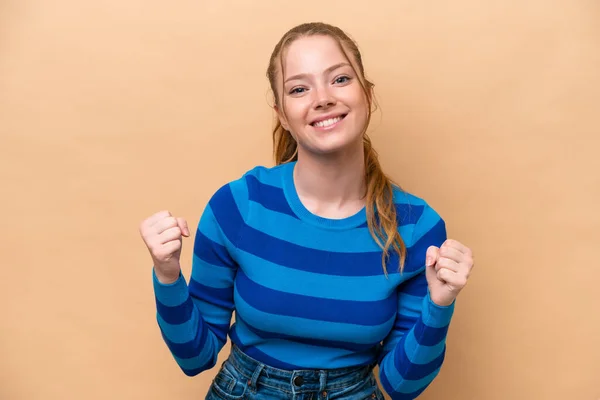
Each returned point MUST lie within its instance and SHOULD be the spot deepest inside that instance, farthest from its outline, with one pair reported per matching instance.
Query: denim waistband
(296, 381)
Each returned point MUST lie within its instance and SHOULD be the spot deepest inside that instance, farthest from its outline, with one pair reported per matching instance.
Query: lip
(326, 117)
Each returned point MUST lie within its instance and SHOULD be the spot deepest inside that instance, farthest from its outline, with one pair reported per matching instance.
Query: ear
(282, 118)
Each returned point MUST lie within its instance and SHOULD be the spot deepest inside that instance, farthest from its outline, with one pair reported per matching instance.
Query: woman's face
(324, 103)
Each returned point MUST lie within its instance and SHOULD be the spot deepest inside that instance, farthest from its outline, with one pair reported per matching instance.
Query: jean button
(298, 380)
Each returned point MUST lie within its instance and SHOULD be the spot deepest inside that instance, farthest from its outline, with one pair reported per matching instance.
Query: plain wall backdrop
(112, 110)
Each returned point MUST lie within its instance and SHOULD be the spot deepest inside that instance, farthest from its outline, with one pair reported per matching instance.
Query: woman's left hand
(447, 270)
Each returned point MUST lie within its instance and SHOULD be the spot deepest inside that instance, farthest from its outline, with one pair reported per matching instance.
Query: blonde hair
(380, 208)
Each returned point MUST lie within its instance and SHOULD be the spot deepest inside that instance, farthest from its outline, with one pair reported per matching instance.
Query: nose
(323, 98)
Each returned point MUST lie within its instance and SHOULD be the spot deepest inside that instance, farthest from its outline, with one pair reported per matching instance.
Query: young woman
(330, 267)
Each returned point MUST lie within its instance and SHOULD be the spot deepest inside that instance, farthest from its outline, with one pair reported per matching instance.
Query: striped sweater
(308, 292)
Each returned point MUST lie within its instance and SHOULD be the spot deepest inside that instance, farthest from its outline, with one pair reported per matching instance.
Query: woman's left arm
(414, 351)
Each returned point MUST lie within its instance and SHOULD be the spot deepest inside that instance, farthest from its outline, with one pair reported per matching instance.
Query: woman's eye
(342, 79)
(297, 90)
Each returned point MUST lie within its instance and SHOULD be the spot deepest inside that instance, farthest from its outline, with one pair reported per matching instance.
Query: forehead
(311, 55)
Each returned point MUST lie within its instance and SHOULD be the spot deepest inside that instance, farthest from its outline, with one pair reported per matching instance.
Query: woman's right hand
(162, 233)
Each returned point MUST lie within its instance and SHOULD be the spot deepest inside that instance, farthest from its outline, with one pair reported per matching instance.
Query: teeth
(327, 122)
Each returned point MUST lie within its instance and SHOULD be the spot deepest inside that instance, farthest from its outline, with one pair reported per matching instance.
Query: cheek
(356, 99)
(296, 112)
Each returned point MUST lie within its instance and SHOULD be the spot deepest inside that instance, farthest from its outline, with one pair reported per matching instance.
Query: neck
(332, 184)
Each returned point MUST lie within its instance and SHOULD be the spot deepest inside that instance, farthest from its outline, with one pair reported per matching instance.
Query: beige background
(112, 110)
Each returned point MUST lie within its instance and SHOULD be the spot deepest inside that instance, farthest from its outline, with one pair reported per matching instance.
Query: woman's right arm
(194, 317)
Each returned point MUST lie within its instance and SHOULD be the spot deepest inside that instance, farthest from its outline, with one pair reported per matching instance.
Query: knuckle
(170, 222)
(144, 225)
(143, 231)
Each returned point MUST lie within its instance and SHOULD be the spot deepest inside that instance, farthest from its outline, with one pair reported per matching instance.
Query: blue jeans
(242, 377)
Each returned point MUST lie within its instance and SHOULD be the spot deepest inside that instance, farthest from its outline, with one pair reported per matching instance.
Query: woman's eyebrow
(332, 68)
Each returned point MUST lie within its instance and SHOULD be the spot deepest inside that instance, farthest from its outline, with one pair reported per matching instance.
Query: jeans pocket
(229, 384)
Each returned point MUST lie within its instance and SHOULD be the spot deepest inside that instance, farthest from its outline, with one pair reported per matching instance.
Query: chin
(335, 145)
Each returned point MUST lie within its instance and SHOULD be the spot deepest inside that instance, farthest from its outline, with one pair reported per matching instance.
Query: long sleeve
(414, 351)
(194, 318)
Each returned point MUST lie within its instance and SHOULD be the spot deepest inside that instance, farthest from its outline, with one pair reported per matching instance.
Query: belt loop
(256, 375)
(322, 383)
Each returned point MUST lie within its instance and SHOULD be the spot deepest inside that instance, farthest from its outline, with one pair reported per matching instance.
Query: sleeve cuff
(435, 315)
(170, 294)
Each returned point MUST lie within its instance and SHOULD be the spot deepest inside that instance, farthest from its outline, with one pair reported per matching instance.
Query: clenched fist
(162, 233)
(448, 270)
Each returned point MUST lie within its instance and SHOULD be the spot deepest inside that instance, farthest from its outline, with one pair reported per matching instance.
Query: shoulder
(239, 191)
(418, 217)
(412, 208)
(261, 176)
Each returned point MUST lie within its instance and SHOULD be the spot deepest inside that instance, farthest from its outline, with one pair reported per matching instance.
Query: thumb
(432, 255)
(431, 258)
(183, 226)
